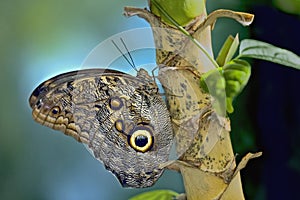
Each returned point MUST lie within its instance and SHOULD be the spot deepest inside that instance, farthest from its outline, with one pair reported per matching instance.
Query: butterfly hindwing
(121, 118)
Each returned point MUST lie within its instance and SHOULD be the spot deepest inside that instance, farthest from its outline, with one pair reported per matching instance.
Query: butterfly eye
(141, 139)
(55, 110)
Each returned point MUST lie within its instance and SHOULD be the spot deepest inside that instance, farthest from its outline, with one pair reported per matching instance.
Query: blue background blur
(39, 39)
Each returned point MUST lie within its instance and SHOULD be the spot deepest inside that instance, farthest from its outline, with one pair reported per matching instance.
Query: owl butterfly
(121, 118)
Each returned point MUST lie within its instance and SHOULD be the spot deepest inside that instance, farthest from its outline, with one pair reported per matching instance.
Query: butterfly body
(121, 118)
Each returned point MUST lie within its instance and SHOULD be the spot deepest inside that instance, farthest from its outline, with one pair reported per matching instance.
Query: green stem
(185, 32)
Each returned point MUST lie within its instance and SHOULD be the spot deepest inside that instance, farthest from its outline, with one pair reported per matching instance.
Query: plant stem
(185, 32)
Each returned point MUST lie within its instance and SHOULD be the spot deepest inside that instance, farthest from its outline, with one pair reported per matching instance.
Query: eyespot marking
(115, 103)
(141, 138)
(55, 110)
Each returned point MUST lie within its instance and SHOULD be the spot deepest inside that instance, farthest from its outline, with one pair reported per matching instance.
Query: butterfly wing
(120, 117)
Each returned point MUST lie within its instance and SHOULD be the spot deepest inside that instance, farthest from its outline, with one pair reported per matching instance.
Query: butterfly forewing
(121, 118)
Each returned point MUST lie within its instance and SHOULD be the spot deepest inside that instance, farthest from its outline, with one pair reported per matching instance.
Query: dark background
(39, 39)
(275, 115)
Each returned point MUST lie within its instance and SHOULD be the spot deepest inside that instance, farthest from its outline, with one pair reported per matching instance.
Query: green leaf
(213, 82)
(224, 51)
(226, 82)
(182, 11)
(156, 195)
(264, 51)
(228, 50)
(236, 73)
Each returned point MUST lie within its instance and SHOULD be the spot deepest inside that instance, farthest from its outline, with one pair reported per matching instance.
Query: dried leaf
(201, 185)
(245, 160)
(243, 18)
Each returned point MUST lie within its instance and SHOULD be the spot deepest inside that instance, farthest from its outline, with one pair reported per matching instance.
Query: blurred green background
(39, 39)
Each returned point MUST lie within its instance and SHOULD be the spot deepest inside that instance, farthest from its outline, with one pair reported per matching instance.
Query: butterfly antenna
(131, 62)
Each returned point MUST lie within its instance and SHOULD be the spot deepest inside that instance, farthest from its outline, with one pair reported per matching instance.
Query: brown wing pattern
(121, 118)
